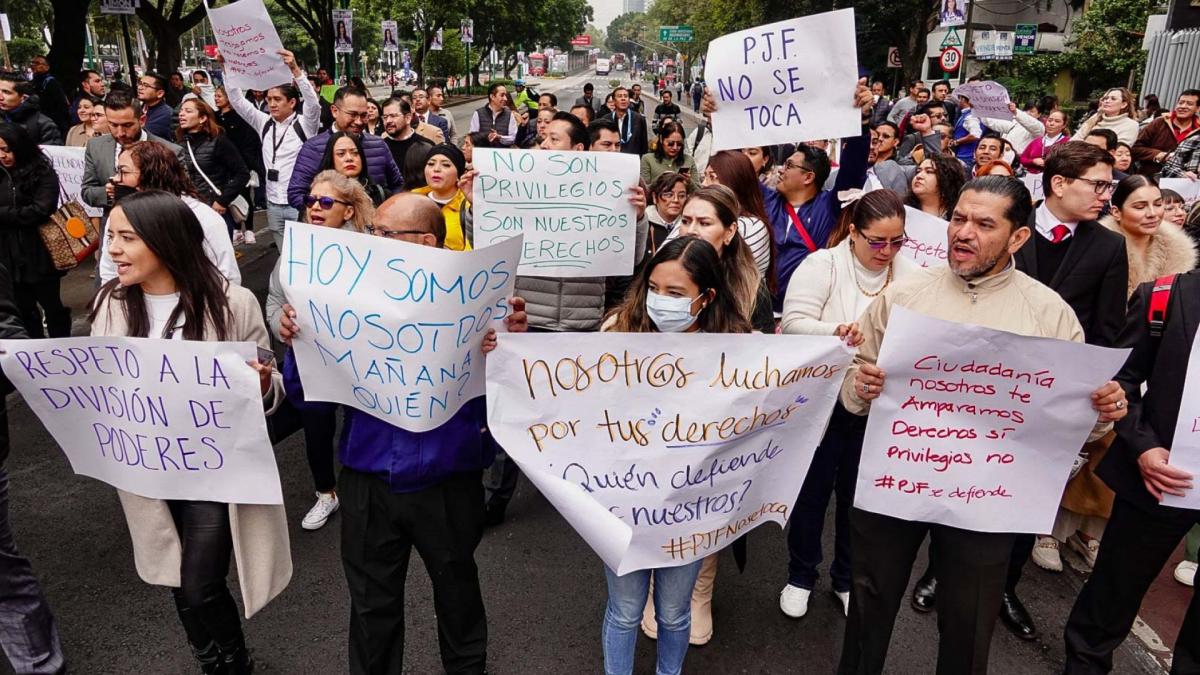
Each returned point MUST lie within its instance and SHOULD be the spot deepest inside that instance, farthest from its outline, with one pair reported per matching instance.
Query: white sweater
(1125, 127)
(823, 292)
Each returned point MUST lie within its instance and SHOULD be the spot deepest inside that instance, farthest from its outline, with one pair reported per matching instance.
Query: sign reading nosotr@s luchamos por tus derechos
(785, 82)
(392, 328)
(572, 208)
(660, 449)
(164, 419)
(977, 428)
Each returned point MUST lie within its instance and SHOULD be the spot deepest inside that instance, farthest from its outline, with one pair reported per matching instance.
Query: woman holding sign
(168, 288)
(826, 295)
(683, 289)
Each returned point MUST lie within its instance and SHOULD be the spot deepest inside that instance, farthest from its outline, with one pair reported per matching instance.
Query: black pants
(319, 430)
(206, 607)
(1137, 543)
(43, 299)
(834, 469)
(379, 531)
(500, 479)
(971, 568)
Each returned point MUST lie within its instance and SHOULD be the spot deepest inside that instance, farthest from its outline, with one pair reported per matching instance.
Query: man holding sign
(980, 286)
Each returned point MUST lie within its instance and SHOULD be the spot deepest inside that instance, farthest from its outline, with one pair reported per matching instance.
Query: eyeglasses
(325, 202)
(673, 144)
(673, 196)
(1100, 187)
(880, 244)
(391, 234)
(149, 85)
(354, 115)
(121, 172)
(789, 165)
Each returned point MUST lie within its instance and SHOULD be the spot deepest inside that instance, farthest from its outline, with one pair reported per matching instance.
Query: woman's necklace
(864, 291)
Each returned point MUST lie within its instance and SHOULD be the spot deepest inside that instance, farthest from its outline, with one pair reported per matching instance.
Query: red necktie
(1059, 233)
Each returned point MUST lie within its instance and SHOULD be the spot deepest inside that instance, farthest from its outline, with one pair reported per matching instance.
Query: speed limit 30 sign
(950, 59)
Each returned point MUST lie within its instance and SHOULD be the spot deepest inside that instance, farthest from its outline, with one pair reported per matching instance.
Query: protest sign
(249, 44)
(926, 234)
(1186, 187)
(785, 82)
(1185, 444)
(68, 164)
(391, 328)
(164, 419)
(988, 99)
(1033, 182)
(977, 428)
(572, 207)
(668, 447)
(343, 31)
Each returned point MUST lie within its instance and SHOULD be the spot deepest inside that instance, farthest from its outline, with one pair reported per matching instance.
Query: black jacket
(52, 100)
(1162, 364)
(10, 329)
(221, 162)
(1092, 278)
(42, 129)
(638, 143)
(22, 211)
(248, 142)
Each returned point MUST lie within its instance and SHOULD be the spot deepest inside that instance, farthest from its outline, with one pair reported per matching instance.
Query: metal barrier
(1173, 64)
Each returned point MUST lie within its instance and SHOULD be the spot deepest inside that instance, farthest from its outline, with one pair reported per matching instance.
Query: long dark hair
(668, 128)
(327, 158)
(30, 164)
(1128, 185)
(699, 259)
(950, 178)
(736, 259)
(735, 171)
(173, 234)
(873, 206)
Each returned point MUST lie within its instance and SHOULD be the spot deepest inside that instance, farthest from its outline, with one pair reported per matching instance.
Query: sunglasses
(880, 244)
(325, 202)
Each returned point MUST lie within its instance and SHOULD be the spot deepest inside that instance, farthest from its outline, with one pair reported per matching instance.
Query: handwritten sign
(977, 428)
(988, 99)
(1033, 183)
(391, 328)
(927, 237)
(68, 164)
(572, 208)
(164, 419)
(1185, 446)
(785, 82)
(249, 44)
(663, 448)
(1186, 187)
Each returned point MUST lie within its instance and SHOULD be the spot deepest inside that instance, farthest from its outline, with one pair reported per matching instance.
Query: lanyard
(627, 131)
(275, 144)
(795, 217)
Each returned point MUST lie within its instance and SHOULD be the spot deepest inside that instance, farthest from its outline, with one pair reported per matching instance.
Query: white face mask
(670, 315)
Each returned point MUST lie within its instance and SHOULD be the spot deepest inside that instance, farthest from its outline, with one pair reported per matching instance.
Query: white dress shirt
(1047, 221)
(283, 158)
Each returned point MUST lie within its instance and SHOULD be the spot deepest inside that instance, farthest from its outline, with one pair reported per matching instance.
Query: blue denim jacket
(409, 461)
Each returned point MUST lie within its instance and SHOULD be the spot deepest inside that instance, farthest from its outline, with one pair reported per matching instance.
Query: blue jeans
(672, 610)
(276, 215)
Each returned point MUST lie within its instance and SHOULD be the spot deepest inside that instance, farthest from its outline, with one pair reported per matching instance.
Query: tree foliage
(1106, 42)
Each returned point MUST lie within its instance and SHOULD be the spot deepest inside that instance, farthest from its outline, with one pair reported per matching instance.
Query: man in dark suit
(420, 105)
(634, 139)
(1142, 534)
(126, 118)
(589, 100)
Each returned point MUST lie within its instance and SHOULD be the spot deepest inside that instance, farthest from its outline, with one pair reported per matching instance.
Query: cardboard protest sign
(1033, 182)
(391, 328)
(68, 164)
(572, 208)
(249, 44)
(988, 99)
(660, 449)
(1186, 187)
(785, 82)
(1185, 445)
(164, 419)
(977, 428)
(926, 238)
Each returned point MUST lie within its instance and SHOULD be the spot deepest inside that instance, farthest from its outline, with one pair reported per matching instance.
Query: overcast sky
(605, 11)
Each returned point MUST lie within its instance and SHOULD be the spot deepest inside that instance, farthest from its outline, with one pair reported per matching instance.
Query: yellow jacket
(454, 211)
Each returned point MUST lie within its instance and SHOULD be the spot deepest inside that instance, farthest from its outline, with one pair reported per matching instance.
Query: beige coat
(1170, 252)
(261, 547)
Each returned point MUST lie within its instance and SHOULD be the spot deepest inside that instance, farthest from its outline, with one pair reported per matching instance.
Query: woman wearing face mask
(337, 201)
(1033, 158)
(1117, 111)
(147, 165)
(344, 154)
(683, 289)
(825, 296)
(668, 155)
(167, 288)
(445, 165)
(936, 185)
(79, 135)
(213, 161)
(669, 193)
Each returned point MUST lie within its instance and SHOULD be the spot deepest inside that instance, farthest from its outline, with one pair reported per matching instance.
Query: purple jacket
(409, 461)
(380, 166)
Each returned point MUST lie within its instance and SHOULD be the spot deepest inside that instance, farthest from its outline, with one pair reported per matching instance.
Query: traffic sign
(950, 59)
(894, 60)
(952, 39)
(676, 33)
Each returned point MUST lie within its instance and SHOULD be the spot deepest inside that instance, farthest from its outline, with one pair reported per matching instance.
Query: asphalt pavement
(543, 588)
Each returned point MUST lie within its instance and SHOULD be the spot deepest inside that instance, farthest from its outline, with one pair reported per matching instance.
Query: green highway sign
(675, 33)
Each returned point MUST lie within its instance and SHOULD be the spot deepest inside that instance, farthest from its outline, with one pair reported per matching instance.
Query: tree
(626, 31)
(1106, 43)
(315, 17)
(68, 28)
(167, 20)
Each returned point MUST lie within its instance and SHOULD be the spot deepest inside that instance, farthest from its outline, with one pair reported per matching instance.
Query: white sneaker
(1185, 573)
(1087, 549)
(844, 596)
(1046, 554)
(793, 601)
(249, 237)
(238, 237)
(318, 515)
